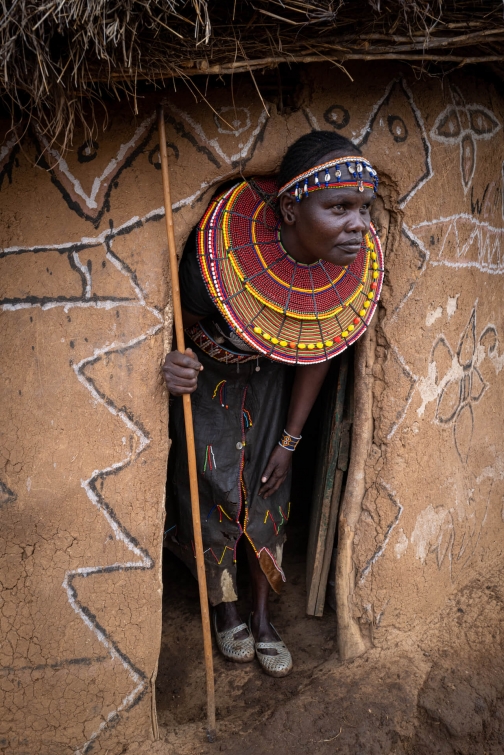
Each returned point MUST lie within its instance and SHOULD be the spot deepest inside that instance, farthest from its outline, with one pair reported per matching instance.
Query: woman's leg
(261, 627)
(228, 617)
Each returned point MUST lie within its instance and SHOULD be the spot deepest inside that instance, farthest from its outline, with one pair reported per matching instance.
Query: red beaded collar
(286, 310)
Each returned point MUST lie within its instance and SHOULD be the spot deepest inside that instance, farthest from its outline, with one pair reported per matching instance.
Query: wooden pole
(191, 451)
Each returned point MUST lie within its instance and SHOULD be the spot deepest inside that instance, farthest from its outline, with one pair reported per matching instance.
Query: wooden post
(191, 451)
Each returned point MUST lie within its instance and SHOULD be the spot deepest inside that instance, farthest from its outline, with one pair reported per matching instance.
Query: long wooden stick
(191, 451)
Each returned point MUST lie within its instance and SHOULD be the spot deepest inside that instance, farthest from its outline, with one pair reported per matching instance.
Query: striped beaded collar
(286, 310)
(347, 172)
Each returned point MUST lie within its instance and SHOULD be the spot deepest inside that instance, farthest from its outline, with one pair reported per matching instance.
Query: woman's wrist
(293, 430)
(288, 441)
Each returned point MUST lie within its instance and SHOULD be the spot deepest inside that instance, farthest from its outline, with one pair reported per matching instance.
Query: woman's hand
(276, 471)
(181, 372)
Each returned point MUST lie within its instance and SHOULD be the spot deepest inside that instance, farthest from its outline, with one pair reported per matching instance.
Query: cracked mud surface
(436, 693)
(83, 295)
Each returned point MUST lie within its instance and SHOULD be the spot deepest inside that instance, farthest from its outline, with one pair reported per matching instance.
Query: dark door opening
(244, 692)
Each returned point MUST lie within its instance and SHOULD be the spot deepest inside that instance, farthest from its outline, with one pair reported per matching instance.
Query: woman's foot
(227, 617)
(232, 636)
(271, 651)
(262, 630)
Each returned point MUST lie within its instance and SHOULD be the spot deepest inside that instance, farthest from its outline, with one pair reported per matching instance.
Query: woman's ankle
(227, 616)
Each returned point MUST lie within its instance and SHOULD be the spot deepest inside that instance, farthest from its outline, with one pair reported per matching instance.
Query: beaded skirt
(239, 414)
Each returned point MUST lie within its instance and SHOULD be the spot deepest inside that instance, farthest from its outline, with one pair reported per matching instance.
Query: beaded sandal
(274, 665)
(239, 651)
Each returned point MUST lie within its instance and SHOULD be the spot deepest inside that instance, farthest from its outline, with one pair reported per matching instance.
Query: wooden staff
(191, 451)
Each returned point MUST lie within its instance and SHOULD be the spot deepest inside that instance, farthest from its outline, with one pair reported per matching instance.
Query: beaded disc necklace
(286, 310)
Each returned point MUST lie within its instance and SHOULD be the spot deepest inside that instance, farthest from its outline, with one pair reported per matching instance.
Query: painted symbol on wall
(87, 152)
(455, 382)
(150, 324)
(218, 140)
(451, 534)
(461, 241)
(396, 115)
(238, 119)
(397, 128)
(337, 116)
(398, 509)
(394, 120)
(91, 203)
(463, 125)
(154, 156)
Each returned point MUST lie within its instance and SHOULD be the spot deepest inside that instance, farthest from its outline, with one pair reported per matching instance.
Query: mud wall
(86, 320)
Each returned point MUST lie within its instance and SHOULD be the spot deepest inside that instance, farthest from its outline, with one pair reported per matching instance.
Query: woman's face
(329, 224)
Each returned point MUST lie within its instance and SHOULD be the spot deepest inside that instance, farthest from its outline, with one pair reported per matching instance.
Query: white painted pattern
(392, 495)
(367, 128)
(85, 271)
(414, 379)
(237, 126)
(464, 242)
(141, 560)
(214, 143)
(104, 179)
(464, 125)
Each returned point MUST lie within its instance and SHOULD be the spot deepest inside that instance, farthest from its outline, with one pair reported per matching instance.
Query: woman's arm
(307, 384)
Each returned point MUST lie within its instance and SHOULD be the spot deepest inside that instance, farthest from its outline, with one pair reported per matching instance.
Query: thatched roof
(58, 56)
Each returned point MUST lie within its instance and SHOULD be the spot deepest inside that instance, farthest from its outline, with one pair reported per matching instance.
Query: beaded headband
(356, 177)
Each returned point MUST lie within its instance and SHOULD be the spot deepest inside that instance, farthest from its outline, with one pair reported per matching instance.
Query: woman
(278, 273)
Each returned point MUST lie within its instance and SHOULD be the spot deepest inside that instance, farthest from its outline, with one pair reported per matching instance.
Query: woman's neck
(292, 246)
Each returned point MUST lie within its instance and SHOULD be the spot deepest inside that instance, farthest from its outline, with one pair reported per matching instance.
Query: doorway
(304, 614)
(243, 692)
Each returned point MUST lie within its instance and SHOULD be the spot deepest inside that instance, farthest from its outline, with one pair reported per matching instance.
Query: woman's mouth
(350, 247)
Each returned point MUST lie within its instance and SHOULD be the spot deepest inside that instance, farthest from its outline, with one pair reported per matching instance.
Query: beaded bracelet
(288, 441)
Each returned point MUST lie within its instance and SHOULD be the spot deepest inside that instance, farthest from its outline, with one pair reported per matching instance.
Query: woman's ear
(288, 209)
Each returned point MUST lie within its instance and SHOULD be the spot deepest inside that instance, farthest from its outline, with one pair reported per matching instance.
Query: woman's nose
(357, 223)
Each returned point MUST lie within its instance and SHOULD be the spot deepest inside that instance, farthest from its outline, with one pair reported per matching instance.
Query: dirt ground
(441, 693)
(243, 691)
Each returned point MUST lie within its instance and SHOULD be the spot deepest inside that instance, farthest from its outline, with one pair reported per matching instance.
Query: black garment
(239, 414)
(193, 292)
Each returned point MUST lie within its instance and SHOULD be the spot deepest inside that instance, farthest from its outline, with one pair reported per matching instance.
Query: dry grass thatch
(59, 57)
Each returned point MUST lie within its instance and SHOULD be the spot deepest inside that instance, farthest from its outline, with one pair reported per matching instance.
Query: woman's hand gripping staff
(181, 372)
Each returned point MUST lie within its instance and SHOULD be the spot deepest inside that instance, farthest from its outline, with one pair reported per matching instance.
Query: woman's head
(327, 224)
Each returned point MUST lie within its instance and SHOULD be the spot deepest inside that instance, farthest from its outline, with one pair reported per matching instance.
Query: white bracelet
(288, 441)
